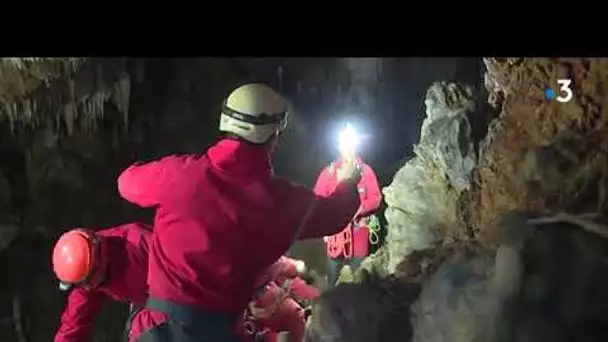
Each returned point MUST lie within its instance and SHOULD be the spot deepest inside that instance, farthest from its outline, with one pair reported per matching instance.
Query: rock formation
(542, 155)
(481, 281)
(423, 197)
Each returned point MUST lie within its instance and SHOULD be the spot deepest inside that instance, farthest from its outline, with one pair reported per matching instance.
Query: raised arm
(145, 184)
(331, 214)
(79, 315)
(321, 187)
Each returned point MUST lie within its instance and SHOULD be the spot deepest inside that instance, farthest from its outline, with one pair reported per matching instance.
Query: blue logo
(550, 94)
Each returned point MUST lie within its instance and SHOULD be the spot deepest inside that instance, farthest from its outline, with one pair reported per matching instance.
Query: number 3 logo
(565, 93)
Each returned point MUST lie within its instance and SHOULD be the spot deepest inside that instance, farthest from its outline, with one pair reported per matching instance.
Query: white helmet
(254, 112)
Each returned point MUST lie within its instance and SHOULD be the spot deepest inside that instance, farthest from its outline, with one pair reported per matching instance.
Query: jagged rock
(446, 131)
(542, 155)
(471, 298)
(375, 310)
(466, 301)
(19, 77)
(375, 264)
(422, 199)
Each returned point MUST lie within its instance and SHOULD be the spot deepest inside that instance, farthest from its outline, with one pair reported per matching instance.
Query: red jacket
(371, 199)
(126, 248)
(222, 219)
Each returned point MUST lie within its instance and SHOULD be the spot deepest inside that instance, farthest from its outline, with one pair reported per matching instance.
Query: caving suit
(351, 245)
(126, 249)
(288, 315)
(222, 219)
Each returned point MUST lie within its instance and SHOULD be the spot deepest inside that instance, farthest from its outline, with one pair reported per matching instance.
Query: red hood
(240, 158)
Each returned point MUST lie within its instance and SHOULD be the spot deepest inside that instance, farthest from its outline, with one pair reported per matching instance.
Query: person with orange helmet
(352, 244)
(96, 265)
(273, 308)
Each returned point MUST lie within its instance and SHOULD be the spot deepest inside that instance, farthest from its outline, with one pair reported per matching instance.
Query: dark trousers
(335, 265)
(189, 325)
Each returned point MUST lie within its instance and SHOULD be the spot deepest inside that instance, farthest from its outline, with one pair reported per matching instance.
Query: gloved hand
(300, 267)
(349, 172)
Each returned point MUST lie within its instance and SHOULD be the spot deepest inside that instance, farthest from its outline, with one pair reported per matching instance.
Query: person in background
(274, 309)
(351, 245)
(99, 265)
(222, 218)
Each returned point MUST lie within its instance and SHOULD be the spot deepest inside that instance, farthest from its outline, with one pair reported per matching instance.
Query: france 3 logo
(564, 94)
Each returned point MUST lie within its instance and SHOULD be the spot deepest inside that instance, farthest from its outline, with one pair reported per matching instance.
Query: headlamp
(348, 140)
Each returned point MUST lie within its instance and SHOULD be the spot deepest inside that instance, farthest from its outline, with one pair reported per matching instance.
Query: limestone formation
(374, 310)
(542, 155)
(469, 300)
(422, 199)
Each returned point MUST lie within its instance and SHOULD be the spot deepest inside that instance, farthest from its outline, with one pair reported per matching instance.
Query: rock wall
(542, 155)
(423, 196)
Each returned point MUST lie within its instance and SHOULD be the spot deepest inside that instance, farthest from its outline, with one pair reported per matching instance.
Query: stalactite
(69, 115)
(121, 96)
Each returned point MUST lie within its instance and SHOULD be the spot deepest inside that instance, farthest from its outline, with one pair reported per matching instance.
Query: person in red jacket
(351, 245)
(222, 219)
(109, 263)
(274, 309)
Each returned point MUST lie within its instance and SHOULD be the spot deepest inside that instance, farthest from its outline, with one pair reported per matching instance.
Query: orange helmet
(75, 258)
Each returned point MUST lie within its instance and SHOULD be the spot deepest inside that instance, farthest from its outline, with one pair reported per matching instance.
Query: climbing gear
(341, 244)
(374, 229)
(254, 112)
(133, 311)
(268, 311)
(252, 328)
(76, 259)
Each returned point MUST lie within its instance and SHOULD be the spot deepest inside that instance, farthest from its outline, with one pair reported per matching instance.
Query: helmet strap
(262, 119)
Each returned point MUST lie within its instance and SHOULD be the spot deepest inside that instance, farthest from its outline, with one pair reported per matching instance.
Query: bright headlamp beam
(349, 139)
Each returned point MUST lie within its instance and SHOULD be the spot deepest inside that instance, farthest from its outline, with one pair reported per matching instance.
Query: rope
(341, 243)
(374, 230)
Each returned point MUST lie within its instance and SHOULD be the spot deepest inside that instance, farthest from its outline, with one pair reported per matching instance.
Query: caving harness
(251, 326)
(341, 244)
(133, 311)
(214, 326)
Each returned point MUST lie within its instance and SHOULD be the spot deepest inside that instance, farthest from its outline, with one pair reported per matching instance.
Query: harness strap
(341, 243)
(190, 316)
(133, 311)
